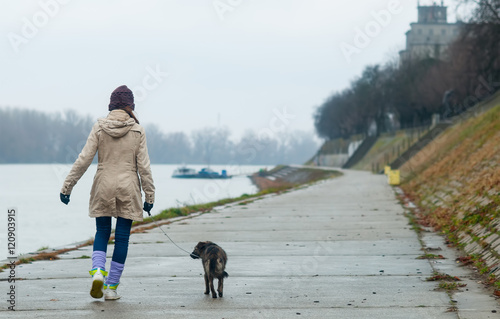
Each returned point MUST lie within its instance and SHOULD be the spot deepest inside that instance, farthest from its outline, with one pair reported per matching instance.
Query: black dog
(214, 261)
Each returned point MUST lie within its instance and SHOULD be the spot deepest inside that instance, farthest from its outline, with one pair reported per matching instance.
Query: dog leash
(158, 225)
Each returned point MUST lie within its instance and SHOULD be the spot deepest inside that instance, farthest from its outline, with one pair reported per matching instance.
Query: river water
(44, 221)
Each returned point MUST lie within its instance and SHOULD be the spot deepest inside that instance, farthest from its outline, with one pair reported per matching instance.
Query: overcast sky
(194, 63)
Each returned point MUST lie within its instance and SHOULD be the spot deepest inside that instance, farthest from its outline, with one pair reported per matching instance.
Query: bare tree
(484, 11)
(208, 141)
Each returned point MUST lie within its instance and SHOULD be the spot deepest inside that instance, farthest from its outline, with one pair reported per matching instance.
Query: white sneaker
(97, 282)
(110, 293)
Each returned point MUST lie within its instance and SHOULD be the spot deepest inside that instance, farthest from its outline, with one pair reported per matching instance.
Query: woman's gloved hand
(147, 207)
(64, 198)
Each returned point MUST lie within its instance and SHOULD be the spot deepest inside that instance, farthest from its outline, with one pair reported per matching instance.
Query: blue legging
(122, 234)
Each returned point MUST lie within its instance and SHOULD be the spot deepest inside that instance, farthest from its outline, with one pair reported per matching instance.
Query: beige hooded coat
(122, 154)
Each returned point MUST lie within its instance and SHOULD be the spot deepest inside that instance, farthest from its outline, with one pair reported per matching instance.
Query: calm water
(44, 221)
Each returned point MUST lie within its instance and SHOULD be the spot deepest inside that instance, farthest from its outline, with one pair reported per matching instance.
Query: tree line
(28, 136)
(412, 91)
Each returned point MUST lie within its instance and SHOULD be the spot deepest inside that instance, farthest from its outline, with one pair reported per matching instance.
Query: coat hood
(117, 124)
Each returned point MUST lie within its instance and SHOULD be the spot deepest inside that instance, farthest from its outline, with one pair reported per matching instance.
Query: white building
(431, 35)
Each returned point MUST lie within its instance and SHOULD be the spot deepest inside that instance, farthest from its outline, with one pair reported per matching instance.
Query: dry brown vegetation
(458, 173)
(455, 182)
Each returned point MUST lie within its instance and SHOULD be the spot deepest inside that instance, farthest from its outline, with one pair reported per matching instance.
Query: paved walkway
(339, 249)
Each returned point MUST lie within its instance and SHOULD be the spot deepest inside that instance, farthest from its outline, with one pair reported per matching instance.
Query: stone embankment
(283, 177)
(455, 182)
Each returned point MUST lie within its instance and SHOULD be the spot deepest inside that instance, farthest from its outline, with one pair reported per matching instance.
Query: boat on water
(209, 173)
(185, 172)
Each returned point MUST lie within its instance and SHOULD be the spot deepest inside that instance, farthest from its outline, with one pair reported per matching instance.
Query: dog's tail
(216, 266)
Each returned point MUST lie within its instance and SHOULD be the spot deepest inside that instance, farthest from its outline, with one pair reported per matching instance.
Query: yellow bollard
(394, 177)
(387, 169)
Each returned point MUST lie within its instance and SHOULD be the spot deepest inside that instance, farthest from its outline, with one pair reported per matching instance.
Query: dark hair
(130, 112)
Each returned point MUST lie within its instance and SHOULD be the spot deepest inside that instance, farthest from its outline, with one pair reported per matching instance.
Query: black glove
(147, 207)
(64, 198)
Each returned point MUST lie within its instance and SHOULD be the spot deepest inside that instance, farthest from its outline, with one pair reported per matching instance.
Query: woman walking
(120, 143)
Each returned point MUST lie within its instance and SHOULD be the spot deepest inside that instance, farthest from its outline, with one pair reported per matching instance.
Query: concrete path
(338, 249)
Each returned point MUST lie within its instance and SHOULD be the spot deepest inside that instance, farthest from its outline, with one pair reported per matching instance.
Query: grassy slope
(339, 145)
(385, 150)
(455, 181)
(459, 170)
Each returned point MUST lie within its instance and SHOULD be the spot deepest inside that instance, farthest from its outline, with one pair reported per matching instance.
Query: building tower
(431, 35)
(432, 14)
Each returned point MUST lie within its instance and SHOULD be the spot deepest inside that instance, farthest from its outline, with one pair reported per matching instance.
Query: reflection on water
(44, 221)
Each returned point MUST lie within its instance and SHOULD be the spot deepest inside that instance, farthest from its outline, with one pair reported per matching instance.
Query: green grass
(442, 277)
(412, 221)
(245, 202)
(26, 260)
(430, 256)
(451, 286)
(187, 210)
(386, 148)
(496, 284)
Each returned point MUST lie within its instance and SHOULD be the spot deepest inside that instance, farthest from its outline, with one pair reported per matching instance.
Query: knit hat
(121, 97)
